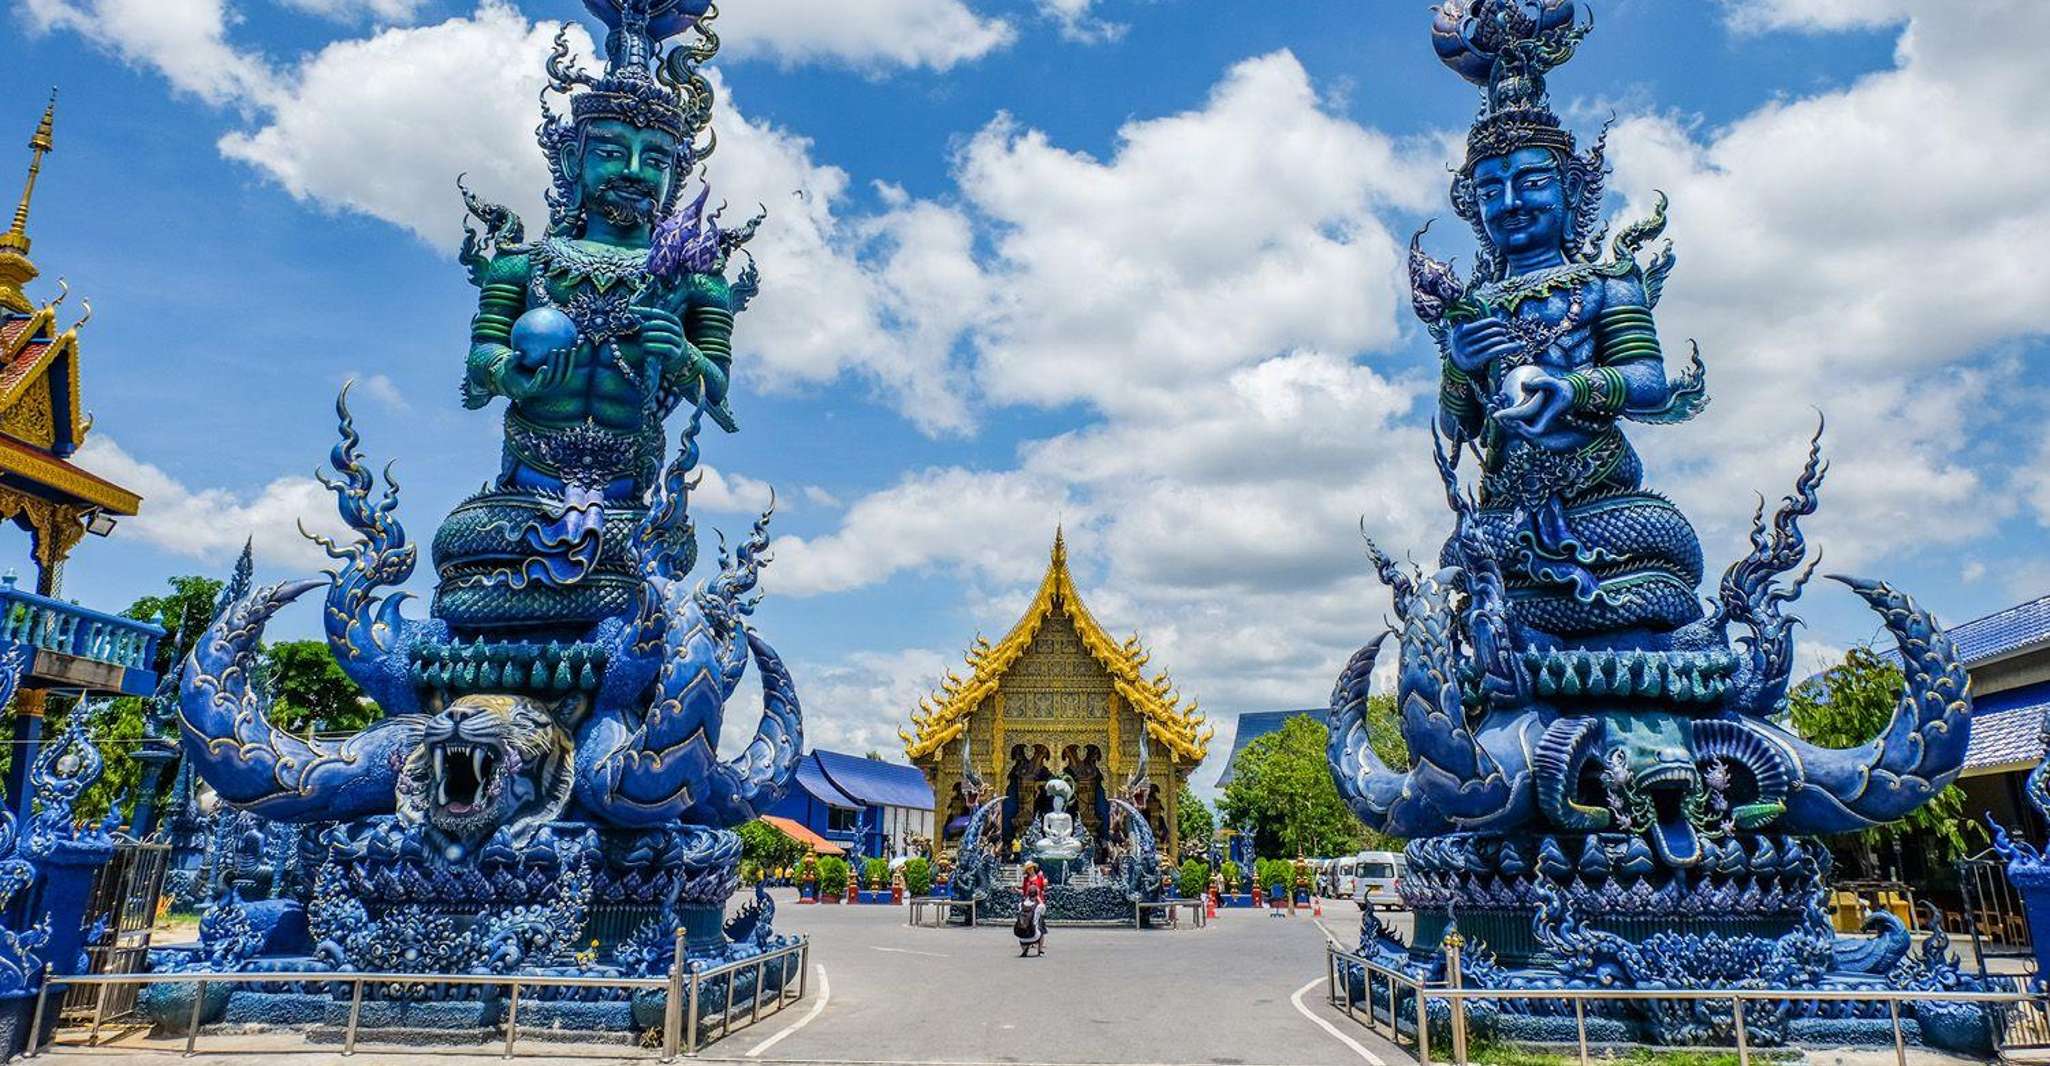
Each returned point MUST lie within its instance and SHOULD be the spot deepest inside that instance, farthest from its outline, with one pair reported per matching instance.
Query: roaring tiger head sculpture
(487, 762)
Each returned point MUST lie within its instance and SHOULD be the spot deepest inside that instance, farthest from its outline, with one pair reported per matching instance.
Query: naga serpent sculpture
(1601, 789)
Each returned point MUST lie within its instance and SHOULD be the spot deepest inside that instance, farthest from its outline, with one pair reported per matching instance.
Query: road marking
(1328, 933)
(825, 994)
(1297, 999)
(908, 951)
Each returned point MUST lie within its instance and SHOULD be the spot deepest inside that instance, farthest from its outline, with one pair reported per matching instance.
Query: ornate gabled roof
(943, 716)
(41, 423)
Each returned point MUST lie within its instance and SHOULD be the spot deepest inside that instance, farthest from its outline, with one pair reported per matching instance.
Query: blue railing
(67, 628)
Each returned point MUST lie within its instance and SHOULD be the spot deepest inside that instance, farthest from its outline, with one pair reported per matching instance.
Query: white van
(1375, 877)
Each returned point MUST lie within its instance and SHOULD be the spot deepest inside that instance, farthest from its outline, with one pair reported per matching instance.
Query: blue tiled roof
(2007, 727)
(2003, 632)
(1256, 724)
(874, 783)
(814, 780)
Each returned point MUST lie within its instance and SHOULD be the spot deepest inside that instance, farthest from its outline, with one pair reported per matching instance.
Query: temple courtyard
(1244, 991)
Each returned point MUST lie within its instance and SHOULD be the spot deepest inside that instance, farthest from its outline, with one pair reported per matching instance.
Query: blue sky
(1127, 265)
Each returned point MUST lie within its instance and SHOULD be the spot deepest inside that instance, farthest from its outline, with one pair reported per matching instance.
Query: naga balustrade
(685, 1029)
(1340, 964)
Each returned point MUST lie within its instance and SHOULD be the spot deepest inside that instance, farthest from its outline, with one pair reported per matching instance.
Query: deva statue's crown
(1506, 47)
(642, 85)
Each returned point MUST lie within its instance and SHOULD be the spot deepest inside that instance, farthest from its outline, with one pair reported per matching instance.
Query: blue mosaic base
(572, 1014)
(270, 1008)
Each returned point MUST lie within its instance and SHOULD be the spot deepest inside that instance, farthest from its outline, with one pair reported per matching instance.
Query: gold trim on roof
(944, 716)
(57, 351)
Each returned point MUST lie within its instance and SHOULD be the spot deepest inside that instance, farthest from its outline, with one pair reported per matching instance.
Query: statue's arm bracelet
(1457, 394)
(1626, 333)
(497, 308)
(1601, 390)
(711, 329)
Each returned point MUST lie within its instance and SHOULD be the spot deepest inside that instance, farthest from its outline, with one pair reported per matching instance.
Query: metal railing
(54, 625)
(942, 906)
(684, 1031)
(1337, 962)
(1992, 914)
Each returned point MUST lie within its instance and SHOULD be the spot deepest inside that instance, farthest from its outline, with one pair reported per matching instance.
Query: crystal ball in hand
(540, 333)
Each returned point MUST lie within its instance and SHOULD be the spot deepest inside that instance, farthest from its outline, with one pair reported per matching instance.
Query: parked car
(1376, 876)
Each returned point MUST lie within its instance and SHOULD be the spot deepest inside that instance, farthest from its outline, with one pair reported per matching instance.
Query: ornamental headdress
(642, 85)
(1506, 47)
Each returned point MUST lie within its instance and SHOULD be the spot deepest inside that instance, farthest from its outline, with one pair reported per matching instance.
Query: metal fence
(1992, 912)
(942, 910)
(685, 1028)
(124, 896)
(1338, 963)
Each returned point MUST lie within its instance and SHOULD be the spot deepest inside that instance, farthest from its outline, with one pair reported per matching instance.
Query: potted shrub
(833, 875)
(1194, 880)
(917, 877)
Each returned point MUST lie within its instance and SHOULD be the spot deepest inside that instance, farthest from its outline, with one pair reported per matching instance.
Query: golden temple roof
(41, 421)
(944, 716)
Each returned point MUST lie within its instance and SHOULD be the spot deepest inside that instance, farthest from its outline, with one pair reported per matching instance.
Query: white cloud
(993, 524)
(354, 10)
(382, 125)
(211, 524)
(858, 704)
(1078, 21)
(186, 40)
(1758, 16)
(1188, 253)
(379, 387)
(869, 34)
(722, 493)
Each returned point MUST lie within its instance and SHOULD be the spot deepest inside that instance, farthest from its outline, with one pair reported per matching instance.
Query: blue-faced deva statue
(1601, 791)
(544, 792)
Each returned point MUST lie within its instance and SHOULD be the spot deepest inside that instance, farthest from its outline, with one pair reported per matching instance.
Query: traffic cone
(1210, 906)
(1316, 906)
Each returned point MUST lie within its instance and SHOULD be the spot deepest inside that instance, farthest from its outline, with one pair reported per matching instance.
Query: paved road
(1225, 994)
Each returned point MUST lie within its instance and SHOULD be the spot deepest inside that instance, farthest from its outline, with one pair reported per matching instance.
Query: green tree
(917, 877)
(311, 690)
(833, 875)
(184, 612)
(1281, 791)
(1194, 821)
(768, 846)
(1384, 733)
(1849, 704)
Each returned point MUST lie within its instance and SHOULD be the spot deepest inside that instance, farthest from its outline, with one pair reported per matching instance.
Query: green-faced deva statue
(595, 333)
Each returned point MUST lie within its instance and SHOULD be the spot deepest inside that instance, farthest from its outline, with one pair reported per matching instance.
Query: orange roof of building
(801, 833)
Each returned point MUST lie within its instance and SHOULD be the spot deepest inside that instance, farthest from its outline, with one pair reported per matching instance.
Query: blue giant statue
(1601, 791)
(546, 774)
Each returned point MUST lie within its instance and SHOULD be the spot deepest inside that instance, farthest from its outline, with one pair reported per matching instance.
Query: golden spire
(15, 268)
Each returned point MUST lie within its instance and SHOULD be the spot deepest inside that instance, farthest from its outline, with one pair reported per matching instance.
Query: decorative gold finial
(16, 270)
